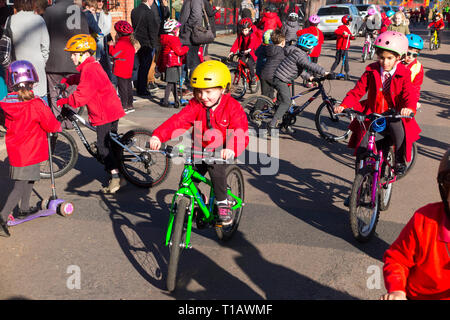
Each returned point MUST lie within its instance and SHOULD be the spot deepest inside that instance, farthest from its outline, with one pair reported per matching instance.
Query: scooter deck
(41, 213)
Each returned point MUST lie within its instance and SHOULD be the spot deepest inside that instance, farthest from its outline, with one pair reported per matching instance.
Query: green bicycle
(189, 204)
(434, 40)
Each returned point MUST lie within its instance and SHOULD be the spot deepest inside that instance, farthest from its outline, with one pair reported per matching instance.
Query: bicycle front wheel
(238, 84)
(235, 184)
(330, 126)
(365, 53)
(140, 167)
(64, 155)
(364, 213)
(176, 243)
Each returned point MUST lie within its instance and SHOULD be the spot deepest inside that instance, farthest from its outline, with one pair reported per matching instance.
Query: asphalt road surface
(294, 240)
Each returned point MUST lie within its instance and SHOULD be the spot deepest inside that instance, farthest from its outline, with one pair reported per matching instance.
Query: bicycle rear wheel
(365, 53)
(176, 243)
(150, 169)
(364, 213)
(260, 107)
(330, 126)
(410, 165)
(238, 84)
(64, 155)
(235, 183)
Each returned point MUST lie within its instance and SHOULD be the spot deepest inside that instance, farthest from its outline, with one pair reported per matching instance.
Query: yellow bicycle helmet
(81, 43)
(211, 74)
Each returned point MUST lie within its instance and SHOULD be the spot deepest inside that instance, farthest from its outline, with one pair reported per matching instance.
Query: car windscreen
(363, 7)
(336, 11)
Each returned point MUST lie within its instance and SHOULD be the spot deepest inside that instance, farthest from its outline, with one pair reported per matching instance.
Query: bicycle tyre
(226, 233)
(364, 55)
(176, 243)
(386, 192)
(143, 175)
(410, 165)
(331, 128)
(236, 90)
(259, 116)
(64, 156)
(363, 232)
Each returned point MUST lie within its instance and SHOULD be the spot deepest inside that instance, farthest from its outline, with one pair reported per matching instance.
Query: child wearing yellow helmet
(97, 93)
(219, 124)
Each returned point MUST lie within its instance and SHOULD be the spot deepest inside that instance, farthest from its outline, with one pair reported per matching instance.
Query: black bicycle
(329, 126)
(139, 166)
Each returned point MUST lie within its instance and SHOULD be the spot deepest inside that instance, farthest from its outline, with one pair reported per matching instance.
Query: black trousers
(251, 66)
(105, 145)
(125, 89)
(340, 54)
(171, 87)
(268, 90)
(145, 57)
(217, 173)
(284, 97)
(21, 192)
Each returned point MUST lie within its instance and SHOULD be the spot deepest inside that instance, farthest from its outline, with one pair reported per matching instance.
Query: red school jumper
(418, 262)
(315, 52)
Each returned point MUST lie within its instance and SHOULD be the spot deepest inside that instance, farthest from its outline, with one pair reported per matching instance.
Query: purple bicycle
(372, 187)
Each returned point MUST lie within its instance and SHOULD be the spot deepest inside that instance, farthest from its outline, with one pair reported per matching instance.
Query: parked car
(331, 16)
(362, 8)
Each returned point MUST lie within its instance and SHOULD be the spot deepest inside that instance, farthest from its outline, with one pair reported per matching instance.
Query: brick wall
(120, 10)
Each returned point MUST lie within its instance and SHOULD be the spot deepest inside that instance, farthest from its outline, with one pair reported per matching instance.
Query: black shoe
(152, 87)
(400, 169)
(347, 76)
(25, 213)
(164, 104)
(129, 110)
(4, 229)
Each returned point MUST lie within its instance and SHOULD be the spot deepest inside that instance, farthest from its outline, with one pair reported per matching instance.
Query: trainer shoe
(225, 214)
(400, 169)
(24, 213)
(114, 185)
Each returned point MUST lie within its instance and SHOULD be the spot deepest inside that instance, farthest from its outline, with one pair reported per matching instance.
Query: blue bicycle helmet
(415, 41)
(379, 125)
(307, 41)
(390, 13)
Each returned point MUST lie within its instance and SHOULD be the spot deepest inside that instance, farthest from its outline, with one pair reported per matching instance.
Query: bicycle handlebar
(207, 156)
(362, 116)
(329, 76)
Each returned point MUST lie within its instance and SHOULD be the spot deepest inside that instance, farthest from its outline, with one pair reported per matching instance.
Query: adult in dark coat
(5, 12)
(63, 20)
(191, 15)
(147, 20)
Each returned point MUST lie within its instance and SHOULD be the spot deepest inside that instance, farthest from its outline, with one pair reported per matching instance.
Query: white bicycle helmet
(170, 25)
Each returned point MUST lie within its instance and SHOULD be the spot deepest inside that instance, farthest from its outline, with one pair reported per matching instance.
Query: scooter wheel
(65, 209)
(44, 204)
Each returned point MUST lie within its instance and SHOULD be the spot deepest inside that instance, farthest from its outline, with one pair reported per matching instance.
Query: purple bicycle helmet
(314, 19)
(20, 72)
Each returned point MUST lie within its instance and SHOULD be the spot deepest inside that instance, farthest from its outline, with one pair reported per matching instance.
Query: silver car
(331, 16)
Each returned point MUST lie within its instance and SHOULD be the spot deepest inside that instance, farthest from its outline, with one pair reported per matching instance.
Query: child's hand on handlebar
(227, 154)
(155, 143)
(338, 109)
(406, 112)
(62, 102)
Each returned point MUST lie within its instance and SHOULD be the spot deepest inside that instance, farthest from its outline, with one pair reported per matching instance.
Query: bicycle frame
(189, 189)
(75, 119)
(295, 110)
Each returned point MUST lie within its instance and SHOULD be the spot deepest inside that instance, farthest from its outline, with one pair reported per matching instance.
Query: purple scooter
(51, 206)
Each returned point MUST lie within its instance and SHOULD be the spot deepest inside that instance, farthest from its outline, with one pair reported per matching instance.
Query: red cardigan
(95, 91)
(123, 54)
(270, 21)
(403, 95)
(229, 119)
(27, 125)
(315, 52)
(418, 262)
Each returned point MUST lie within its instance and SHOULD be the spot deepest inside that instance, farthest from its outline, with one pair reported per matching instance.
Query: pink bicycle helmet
(371, 11)
(314, 19)
(393, 41)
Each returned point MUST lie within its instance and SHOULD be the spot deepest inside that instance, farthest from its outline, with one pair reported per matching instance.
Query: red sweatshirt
(270, 21)
(418, 262)
(123, 54)
(27, 123)
(229, 120)
(343, 41)
(251, 41)
(437, 25)
(417, 74)
(95, 91)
